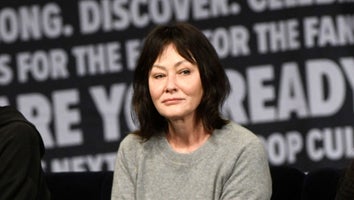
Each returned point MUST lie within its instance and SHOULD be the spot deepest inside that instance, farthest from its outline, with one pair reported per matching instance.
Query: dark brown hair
(192, 45)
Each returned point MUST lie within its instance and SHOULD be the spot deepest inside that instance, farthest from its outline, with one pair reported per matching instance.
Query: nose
(171, 85)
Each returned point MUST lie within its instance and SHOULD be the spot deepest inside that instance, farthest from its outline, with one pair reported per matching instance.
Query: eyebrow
(175, 65)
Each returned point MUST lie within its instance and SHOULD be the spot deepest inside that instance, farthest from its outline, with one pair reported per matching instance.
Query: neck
(186, 137)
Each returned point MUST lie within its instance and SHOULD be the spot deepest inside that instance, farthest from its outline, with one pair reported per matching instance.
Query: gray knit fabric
(232, 164)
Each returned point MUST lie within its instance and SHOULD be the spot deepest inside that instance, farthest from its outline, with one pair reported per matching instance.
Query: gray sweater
(232, 164)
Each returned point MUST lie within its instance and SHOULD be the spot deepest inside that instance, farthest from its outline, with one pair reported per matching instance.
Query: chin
(171, 115)
(175, 116)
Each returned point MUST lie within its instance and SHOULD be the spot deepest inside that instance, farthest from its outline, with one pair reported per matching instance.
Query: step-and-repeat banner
(67, 66)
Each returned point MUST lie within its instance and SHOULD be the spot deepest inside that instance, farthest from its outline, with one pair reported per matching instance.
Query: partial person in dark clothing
(21, 150)
(346, 188)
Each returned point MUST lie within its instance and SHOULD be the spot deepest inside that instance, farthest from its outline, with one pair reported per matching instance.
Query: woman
(184, 149)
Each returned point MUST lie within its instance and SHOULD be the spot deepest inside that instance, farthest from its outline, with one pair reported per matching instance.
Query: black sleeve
(21, 175)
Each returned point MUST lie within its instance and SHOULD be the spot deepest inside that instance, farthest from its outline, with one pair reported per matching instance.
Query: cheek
(195, 89)
(199, 94)
(151, 91)
(195, 92)
(154, 90)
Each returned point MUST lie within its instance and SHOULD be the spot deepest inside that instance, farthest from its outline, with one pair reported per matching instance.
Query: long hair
(192, 45)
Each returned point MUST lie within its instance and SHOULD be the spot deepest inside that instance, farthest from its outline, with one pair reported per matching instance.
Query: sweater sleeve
(123, 186)
(250, 177)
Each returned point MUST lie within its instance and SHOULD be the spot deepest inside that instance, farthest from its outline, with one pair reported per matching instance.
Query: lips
(172, 101)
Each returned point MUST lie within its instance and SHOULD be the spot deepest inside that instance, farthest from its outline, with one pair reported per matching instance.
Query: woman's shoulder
(134, 142)
(238, 131)
(236, 141)
(237, 135)
(130, 146)
(131, 139)
(133, 147)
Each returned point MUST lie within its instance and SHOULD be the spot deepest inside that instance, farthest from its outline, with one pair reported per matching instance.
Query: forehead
(168, 49)
(168, 54)
(171, 51)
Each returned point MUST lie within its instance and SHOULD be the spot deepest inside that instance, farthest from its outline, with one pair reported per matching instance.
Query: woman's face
(175, 86)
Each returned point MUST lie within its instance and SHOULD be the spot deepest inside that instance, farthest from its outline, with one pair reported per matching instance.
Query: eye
(185, 72)
(158, 76)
